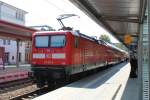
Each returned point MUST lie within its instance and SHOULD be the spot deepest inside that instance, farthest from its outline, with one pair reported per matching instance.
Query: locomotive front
(49, 56)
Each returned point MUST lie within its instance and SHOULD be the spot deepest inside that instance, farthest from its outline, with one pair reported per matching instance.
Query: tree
(121, 46)
(105, 38)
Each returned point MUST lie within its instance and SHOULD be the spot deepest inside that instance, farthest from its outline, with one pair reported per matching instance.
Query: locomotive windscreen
(57, 41)
(41, 41)
(50, 41)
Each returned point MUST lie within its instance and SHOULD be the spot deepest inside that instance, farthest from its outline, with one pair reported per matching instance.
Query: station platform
(21, 67)
(111, 84)
(12, 73)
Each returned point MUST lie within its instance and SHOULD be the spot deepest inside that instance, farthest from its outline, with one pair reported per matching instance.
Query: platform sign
(127, 39)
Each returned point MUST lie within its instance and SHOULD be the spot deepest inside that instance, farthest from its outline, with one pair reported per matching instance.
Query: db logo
(48, 56)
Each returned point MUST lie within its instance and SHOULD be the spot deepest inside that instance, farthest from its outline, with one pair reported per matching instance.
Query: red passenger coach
(60, 54)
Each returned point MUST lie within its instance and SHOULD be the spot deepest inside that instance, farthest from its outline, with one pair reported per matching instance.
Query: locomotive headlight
(58, 56)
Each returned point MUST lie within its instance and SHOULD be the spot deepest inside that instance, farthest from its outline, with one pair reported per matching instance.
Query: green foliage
(121, 46)
(105, 38)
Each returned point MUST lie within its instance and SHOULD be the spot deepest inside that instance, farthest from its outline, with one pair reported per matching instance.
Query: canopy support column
(148, 18)
(17, 54)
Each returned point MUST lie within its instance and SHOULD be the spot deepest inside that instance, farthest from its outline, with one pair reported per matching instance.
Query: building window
(13, 58)
(6, 57)
(19, 57)
(28, 45)
(19, 16)
(20, 43)
(6, 42)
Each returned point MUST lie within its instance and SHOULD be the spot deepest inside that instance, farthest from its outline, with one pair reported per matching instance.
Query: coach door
(84, 58)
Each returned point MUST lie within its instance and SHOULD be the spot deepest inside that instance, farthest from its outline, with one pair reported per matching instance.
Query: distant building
(14, 15)
(43, 28)
(10, 51)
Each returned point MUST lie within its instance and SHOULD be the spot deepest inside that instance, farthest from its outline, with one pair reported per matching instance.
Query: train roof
(77, 33)
(114, 47)
(41, 32)
(88, 37)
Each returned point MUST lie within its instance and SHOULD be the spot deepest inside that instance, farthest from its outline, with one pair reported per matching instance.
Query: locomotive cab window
(76, 40)
(58, 41)
(41, 41)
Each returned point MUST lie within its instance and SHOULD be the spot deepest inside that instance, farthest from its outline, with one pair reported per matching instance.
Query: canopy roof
(119, 17)
(14, 31)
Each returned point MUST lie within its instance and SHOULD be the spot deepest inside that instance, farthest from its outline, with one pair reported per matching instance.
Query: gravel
(10, 94)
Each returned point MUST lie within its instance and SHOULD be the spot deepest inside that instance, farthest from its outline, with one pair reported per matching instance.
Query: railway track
(10, 86)
(41, 91)
(32, 94)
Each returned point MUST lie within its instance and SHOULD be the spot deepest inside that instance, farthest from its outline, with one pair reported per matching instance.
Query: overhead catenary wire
(55, 6)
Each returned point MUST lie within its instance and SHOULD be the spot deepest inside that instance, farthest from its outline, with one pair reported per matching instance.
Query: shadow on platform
(131, 91)
(98, 79)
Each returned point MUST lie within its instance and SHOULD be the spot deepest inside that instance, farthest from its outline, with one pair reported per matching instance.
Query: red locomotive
(60, 54)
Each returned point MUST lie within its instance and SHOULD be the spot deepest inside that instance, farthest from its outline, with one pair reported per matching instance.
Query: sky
(45, 12)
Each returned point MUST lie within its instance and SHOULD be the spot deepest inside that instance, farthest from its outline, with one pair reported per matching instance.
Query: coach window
(76, 41)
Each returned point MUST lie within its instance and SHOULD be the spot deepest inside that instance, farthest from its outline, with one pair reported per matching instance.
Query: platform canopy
(15, 32)
(119, 17)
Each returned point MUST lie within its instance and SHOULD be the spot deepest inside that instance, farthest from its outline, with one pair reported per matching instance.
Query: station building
(17, 16)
